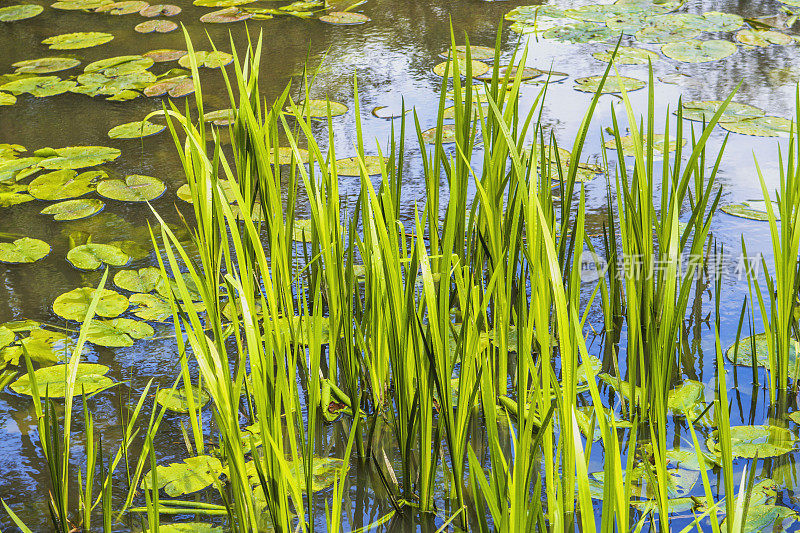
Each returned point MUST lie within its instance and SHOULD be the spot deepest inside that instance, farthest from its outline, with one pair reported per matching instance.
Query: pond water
(393, 55)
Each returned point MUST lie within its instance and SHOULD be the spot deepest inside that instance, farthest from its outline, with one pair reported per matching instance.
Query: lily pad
(74, 305)
(628, 23)
(226, 16)
(613, 84)
(629, 147)
(48, 347)
(688, 459)
(705, 110)
(153, 308)
(118, 332)
(191, 475)
(763, 38)
(344, 18)
(715, 21)
(7, 99)
(685, 397)
(74, 209)
(178, 400)
(511, 72)
(155, 25)
(663, 29)
(135, 188)
(13, 195)
(119, 65)
(127, 7)
(749, 441)
(351, 167)
(18, 169)
(627, 55)
(697, 51)
(166, 86)
(90, 378)
(135, 130)
(92, 256)
(448, 134)
(19, 12)
(581, 32)
(761, 127)
(64, 184)
(478, 68)
(744, 353)
(142, 280)
(221, 3)
(214, 59)
(45, 65)
(75, 41)
(480, 53)
(76, 157)
(319, 108)
(79, 5)
(530, 14)
(192, 527)
(767, 518)
(39, 86)
(23, 250)
(164, 55)
(160, 10)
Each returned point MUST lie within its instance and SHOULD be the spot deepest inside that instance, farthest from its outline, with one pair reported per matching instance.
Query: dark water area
(392, 57)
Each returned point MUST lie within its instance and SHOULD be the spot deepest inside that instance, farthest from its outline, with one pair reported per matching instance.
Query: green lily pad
(142, 280)
(184, 192)
(76, 157)
(581, 32)
(74, 209)
(697, 51)
(627, 55)
(663, 29)
(48, 347)
(629, 147)
(163, 87)
(344, 18)
(478, 68)
(319, 108)
(39, 86)
(752, 210)
(226, 16)
(448, 134)
(160, 10)
(45, 65)
(7, 336)
(153, 308)
(584, 418)
(92, 256)
(126, 7)
(118, 332)
(351, 167)
(628, 23)
(590, 84)
(79, 5)
(74, 305)
(221, 117)
(23, 250)
(90, 378)
(531, 14)
(763, 38)
(749, 441)
(715, 21)
(18, 169)
(64, 184)
(135, 130)
(119, 65)
(19, 12)
(688, 459)
(75, 41)
(165, 55)
(10, 151)
(7, 99)
(191, 527)
(135, 188)
(157, 26)
(511, 72)
(685, 397)
(221, 3)
(761, 127)
(480, 53)
(191, 475)
(767, 518)
(703, 111)
(178, 400)
(14, 194)
(215, 59)
(744, 353)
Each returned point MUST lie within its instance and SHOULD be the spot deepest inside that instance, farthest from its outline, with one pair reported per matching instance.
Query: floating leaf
(23, 250)
(64, 184)
(185, 193)
(749, 441)
(319, 108)
(45, 65)
(92, 256)
(584, 417)
(222, 3)
(763, 37)
(6, 336)
(178, 400)
(142, 280)
(118, 332)
(225, 16)
(628, 23)
(480, 53)
(214, 59)
(127, 7)
(13, 195)
(761, 127)
(158, 26)
(688, 459)
(696, 51)
(744, 353)
(165, 86)
(768, 518)
(715, 21)
(164, 55)
(685, 397)
(48, 347)
(629, 146)
(530, 14)
(134, 130)
(153, 308)
(79, 5)
(76, 157)
(511, 72)
(703, 111)
(74, 209)
(350, 166)
(191, 527)
(344, 18)
(39, 86)
(663, 29)
(51, 380)
(448, 67)
(191, 475)
(74, 305)
(160, 10)
(627, 55)
(590, 84)
(448, 134)
(119, 65)
(75, 41)
(582, 32)
(18, 168)
(19, 12)
(7, 99)
(135, 188)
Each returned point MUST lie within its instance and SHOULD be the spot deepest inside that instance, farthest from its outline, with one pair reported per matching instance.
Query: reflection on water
(392, 57)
